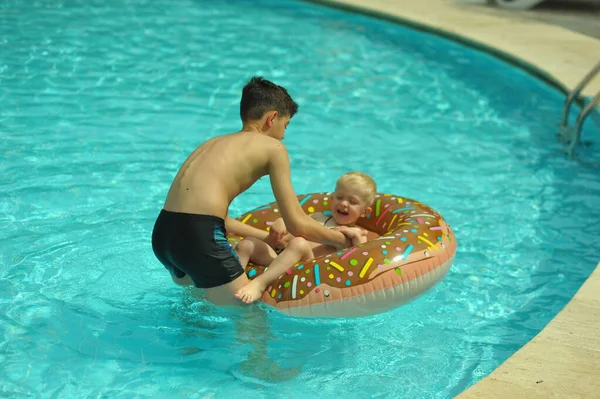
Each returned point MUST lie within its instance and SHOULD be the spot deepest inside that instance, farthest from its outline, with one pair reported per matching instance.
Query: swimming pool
(100, 101)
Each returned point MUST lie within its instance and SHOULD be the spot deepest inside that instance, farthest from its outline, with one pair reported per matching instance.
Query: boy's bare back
(219, 170)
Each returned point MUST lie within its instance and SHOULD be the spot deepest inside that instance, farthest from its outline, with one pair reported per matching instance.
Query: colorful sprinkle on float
(414, 251)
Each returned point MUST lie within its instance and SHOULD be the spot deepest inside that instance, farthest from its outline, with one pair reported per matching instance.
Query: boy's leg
(252, 328)
(249, 249)
(298, 249)
(184, 281)
(223, 295)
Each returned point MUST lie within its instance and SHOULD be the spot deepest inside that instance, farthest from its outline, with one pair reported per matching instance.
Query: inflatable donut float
(413, 251)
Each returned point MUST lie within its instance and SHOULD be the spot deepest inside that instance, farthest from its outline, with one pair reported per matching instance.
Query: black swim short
(195, 245)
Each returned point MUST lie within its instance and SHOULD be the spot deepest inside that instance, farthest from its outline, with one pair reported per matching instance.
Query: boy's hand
(278, 235)
(283, 243)
(357, 236)
(278, 229)
(360, 231)
(273, 242)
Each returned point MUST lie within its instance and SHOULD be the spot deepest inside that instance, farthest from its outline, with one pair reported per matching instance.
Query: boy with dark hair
(189, 236)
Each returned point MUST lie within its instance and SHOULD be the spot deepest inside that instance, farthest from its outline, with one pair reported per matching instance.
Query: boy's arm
(298, 223)
(236, 227)
(358, 236)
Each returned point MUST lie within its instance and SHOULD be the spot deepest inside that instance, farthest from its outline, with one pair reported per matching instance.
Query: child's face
(347, 205)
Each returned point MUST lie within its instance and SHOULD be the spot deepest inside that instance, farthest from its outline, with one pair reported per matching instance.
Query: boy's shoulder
(257, 138)
(251, 141)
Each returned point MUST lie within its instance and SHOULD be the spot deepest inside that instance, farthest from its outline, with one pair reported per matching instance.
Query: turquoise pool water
(100, 102)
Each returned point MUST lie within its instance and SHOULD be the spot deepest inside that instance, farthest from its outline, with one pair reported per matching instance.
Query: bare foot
(251, 292)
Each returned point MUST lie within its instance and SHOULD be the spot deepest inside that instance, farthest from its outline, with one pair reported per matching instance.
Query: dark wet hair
(260, 96)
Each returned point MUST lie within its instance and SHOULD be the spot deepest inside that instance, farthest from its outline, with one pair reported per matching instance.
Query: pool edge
(570, 341)
(561, 361)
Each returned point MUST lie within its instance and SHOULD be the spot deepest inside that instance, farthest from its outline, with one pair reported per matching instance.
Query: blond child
(354, 193)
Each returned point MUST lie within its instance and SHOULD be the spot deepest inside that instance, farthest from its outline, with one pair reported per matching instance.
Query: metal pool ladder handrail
(566, 133)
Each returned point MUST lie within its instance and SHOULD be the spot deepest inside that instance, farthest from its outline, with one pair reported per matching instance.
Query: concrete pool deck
(563, 360)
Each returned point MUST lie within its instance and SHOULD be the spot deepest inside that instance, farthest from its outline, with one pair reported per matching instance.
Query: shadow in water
(251, 326)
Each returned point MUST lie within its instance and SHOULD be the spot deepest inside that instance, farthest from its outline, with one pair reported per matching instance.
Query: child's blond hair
(362, 182)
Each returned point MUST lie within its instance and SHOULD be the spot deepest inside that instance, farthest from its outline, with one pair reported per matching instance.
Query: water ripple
(101, 100)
